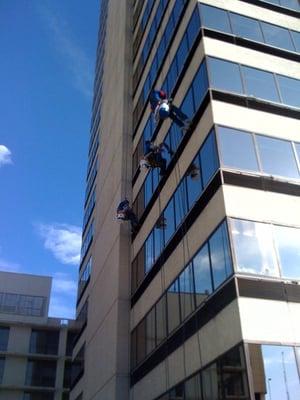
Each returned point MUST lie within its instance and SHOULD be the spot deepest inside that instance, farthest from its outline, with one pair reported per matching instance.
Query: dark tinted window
(40, 373)
(209, 159)
(4, 334)
(173, 306)
(2, 365)
(44, 342)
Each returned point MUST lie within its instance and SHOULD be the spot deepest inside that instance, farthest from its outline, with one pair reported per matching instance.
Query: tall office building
(203, 301)
(35, 350)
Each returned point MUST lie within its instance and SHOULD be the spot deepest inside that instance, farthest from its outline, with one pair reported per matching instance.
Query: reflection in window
(194, 182)
(274, 372)
(44, 342)
(203, 280)
(287, 241)
(277, 36)
(210, 383)
(181, 206)
(149, 256)
(214, 18)
(260, 84)
(186, 284)
(296, 39)
(173, 306)
(254, 248)
(161, 326)
(40, 373)
(209, 158)
(237, 149)
(150, 331)
(272, 150)
(177, 393)
(170, 220)
(246, 27)
(219, 69)
(290, 90)
(220, 256)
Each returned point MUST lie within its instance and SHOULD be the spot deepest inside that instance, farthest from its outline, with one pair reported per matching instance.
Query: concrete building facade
(35, 350)
(203, 301)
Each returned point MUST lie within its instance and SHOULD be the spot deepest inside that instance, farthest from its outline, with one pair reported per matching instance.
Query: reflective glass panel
(200, 85)
(237, 149)
(260, 84)
(194, 182)
(246, 27)
(290, 90)
(173, 306)
(186, 285)
(277, 157)
(149, 252)
(214, 18)
(193, 27)
(169, 220)
(220, 255)
(161, 326)
(193, 388)
(202, 273)
(150, 331)
(181, 206)
(177, 393)
(296, 39)
(297, 146)
(225, 75)
(210, 383)
(287, 242)
(187, 107)
(277, 36)
(294, 4)
(254, 249)
(209, 159)
(4, 334)
(148, 188)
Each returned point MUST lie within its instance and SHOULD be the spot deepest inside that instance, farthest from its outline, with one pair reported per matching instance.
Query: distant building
(35, 350)
(202, 302)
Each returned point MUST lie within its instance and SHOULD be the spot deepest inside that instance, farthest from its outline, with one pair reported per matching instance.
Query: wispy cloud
(5, 155)
(63, 284)
(9, 266)
(73, 55)
(63, 296)
(63, 240)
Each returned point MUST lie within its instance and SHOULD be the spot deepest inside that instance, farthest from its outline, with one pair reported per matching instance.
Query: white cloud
(63, 284)
(5, 155)
(76, 60)
(63, 240)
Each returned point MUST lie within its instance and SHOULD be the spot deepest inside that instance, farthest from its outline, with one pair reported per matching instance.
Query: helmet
(164, 111)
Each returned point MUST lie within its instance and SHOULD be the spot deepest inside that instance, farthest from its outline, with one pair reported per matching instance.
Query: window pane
(246, 27)
(277, 36)
(209, 158)
(149, 252)
(187, 107)
(173, 306)
(260, 84)
(177, 393)
(2, 365)
(158, 238)
(219, 69)
(202, 273)
(296, 39)
(290, 90)
(200, 85)
(44, 342)
(271, 151)
(294, 4)
(170, 221)
(181, 206)
(210, 383)
(186, 284)
(254, 248)
(150, 331)
(214, 18)
(237, 149)
(193, 388)
(287, 242)
(182, 51)
(141, 341)
(194, 182)
(4, 334)
(175, 136)
(193, 27)
(220, 255)
(297, 146)
(161, 326)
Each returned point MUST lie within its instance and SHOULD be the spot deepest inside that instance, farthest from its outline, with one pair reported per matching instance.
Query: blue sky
(46, 77)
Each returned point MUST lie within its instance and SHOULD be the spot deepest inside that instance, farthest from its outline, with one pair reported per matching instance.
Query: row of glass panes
(89, 209)
(267, 155)
(187, 192)
(293, 4)
(19, 304)
(261, 249)
(249, 28)
(84, 277)
(87, 240)
(91, 180)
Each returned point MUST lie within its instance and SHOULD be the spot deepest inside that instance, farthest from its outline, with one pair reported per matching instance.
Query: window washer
(125, 213)
(163, 108)
(153, 157)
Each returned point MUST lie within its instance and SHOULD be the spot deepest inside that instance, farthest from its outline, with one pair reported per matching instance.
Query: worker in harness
(163, 108)
(125, 213)
(153, 157)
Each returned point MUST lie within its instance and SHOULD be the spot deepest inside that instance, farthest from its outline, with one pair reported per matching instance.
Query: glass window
(219, 69)
(150, 331)
(2, 365)
(186, 284)
(159, 237)
(277, 371)
(202, 273)
(170, 221)
(193, 27)
(246, 27)
(173, 306)
(210, 383)
(294, 4)
(193, 388)
(214, 18)
(67, 374)
(260, 84)
(277, 36)
(4, 334)
(172, 75)
(209, 158)
(287, 242)
(237, 149)
(194, 182)
(254, 249)
(161, 326)
(181, 206)
(70, 342)
(44, 342)
(149, 252)
(200, 85)
(187, 106)
(296, 39)
(40, 373)
(290, 90)
(177, 393)
(277, 157)
(182, 51)
(175, 137)
(220, 255)
(141, 341)
(297, 146)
